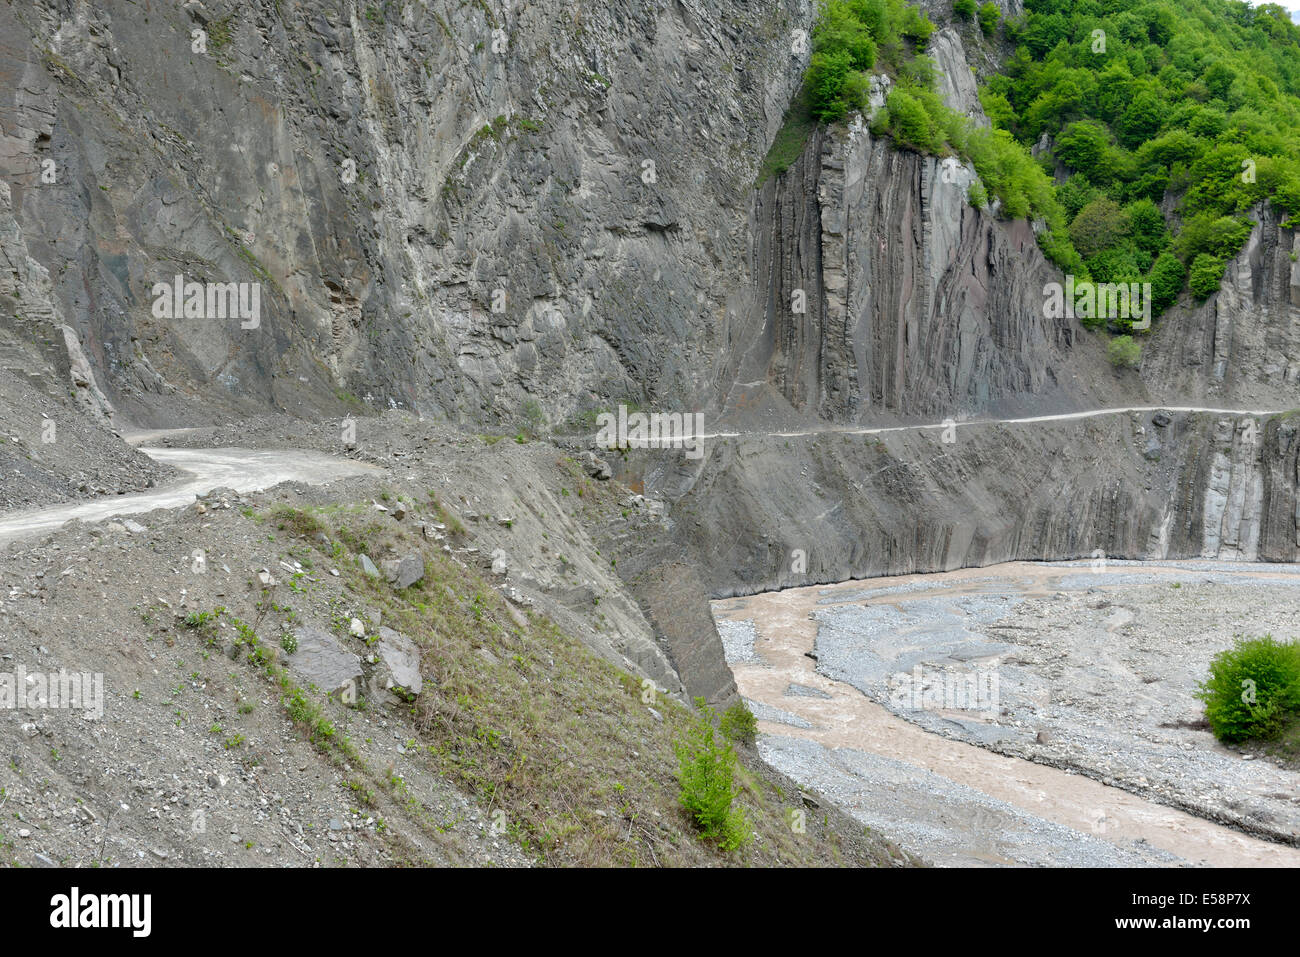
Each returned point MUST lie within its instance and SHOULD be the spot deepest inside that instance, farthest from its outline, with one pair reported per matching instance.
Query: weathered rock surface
(405, 571)
(399, 662)
(833, 507)
(321, 660)
(451, 210)
(1241, 347)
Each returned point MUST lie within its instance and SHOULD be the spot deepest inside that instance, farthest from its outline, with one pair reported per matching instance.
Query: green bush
(1167, 278)
(1253, 689)
(1098, 225)
(964, 9)
(1124, 352)
(827, 74)
(706, 773)
(1206, 274)
(739, 724)
(910, 122)
(839, 29)
(989, 17)
(916, 27)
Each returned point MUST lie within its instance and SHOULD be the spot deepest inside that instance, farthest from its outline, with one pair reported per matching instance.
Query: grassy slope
(536, 726)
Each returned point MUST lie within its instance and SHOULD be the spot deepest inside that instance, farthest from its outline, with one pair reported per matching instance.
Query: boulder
(399, 662)
(406, 572)
(322, 661)
(596, 467)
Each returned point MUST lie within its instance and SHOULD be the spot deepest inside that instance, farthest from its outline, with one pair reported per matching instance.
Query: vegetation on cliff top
(854, 39)
(1165, 125)
(1190, 107)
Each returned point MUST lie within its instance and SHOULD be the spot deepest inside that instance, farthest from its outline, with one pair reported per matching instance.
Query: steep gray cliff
(767, 513)
(1242, 345)
(916, 302)
(456, 208)
(880, 289)
(57, 437)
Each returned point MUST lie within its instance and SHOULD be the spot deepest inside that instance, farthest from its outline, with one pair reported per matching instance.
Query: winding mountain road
(242, 470)
(248, 470)
(1029, 420)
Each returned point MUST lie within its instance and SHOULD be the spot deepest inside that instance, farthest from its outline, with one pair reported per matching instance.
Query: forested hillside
(1157, 127)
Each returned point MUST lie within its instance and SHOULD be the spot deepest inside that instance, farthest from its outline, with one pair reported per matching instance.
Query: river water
(1089, 755)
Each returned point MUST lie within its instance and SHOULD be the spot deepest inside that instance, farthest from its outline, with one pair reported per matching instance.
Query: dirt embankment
(228, 634)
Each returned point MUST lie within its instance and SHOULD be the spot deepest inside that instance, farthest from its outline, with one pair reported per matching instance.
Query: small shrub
(989, 17)
(964, 9)
(1207, 274)
(706, 773)
(1253, 689)
(1124, 352)
(739, 724)
(296, 521)
(534, 419)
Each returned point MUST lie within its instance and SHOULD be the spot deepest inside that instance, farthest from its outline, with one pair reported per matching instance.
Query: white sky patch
(1292, 5)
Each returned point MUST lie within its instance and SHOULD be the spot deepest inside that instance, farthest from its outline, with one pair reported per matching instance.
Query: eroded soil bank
(1090, 752)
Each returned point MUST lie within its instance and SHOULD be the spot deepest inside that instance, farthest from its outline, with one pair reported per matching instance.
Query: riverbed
(1024, 714)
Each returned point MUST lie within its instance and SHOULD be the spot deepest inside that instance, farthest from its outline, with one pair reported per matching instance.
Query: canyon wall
(463, 209)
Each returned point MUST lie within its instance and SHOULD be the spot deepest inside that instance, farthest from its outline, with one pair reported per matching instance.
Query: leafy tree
(1147, 226)
(827, 74)
(1124, 352)
(1166, 278)
(965, 9)
(1206, 274)
(1086, 148)
(910, 122)
(1098, 225)
(917, 27)
(1142, 120)
(838, 29)
(989, 17)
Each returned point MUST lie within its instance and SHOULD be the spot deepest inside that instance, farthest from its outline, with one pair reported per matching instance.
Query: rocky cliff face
(916, 302)
(453, 208)
(772, 513)
(880, 289)
(1242, 346)
(57, 438)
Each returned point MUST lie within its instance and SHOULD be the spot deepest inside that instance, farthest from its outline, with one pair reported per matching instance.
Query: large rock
(399, 662)
(241, 158)
(322, 661)
(406, 571)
